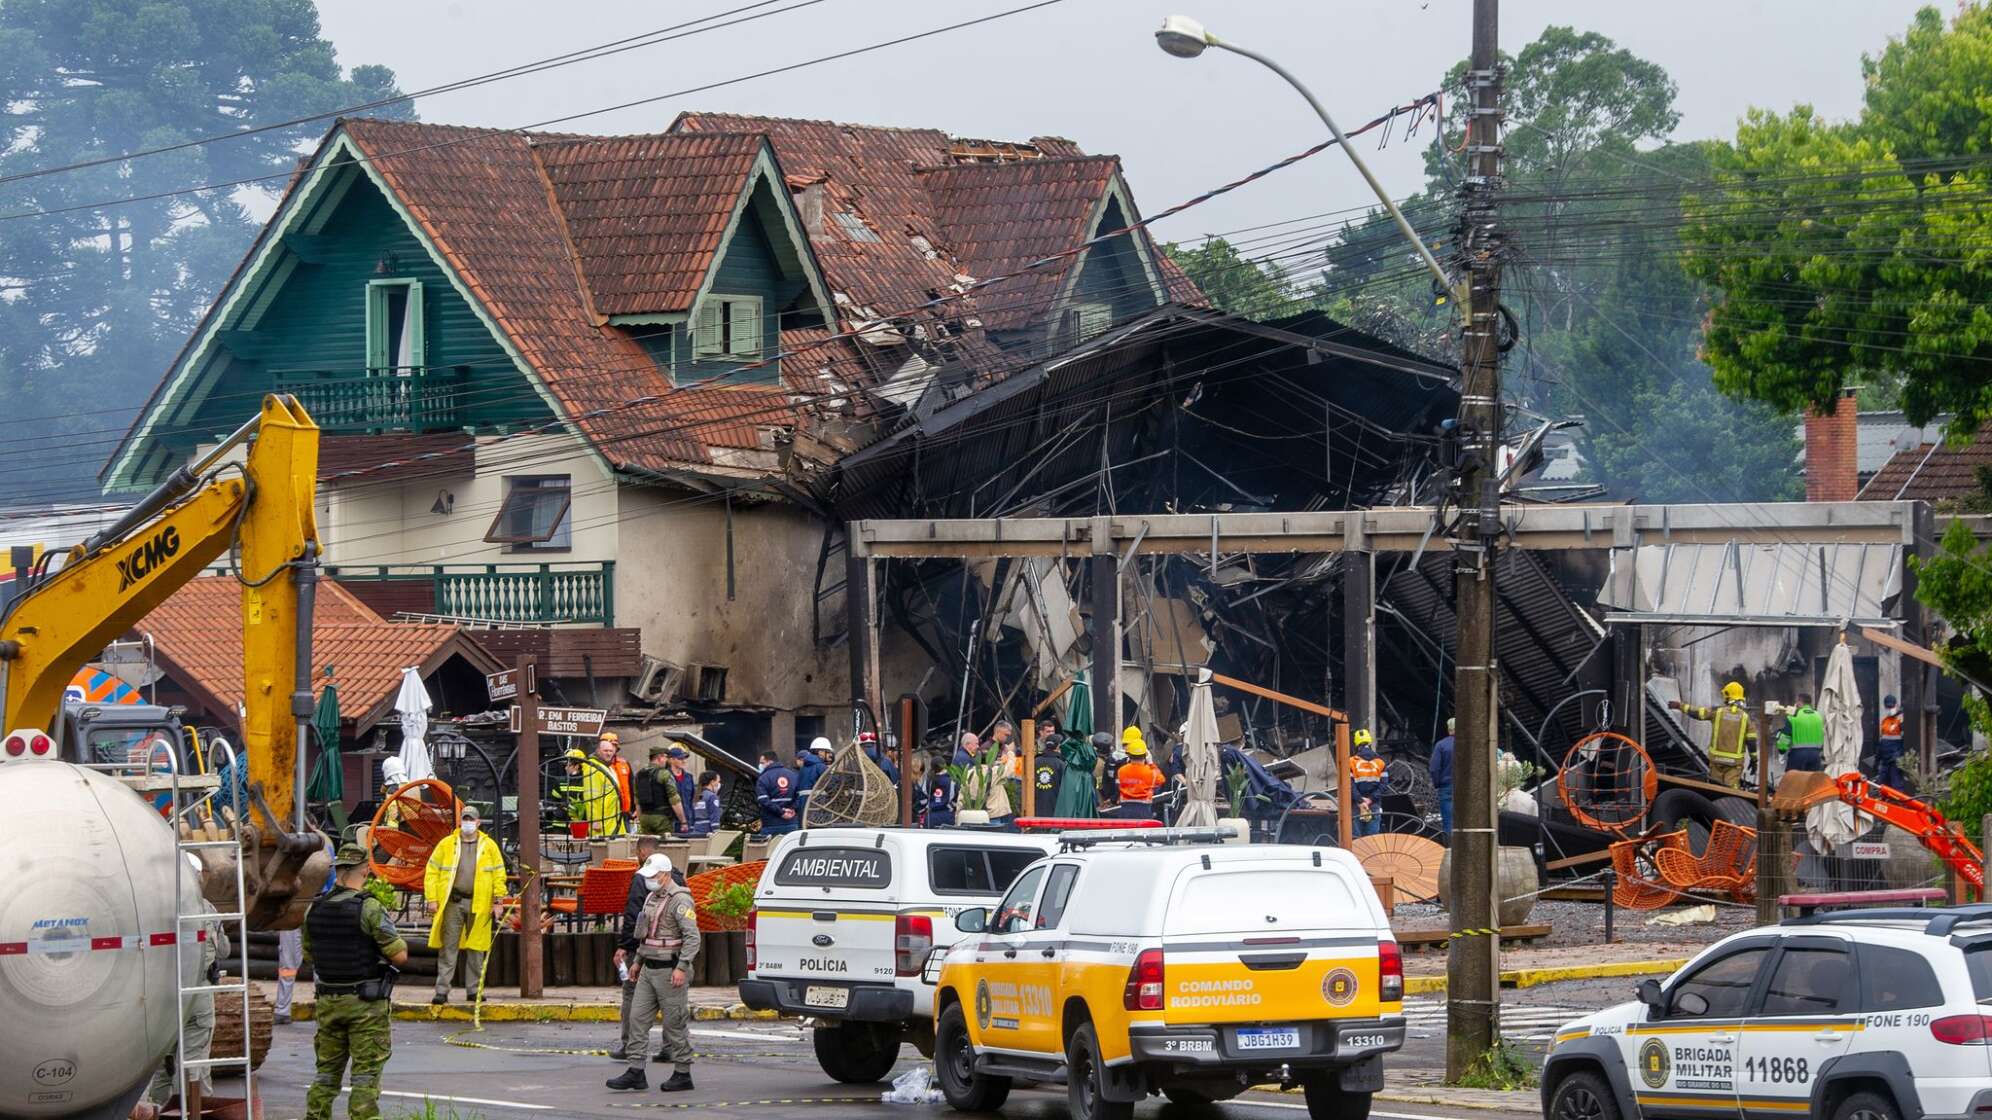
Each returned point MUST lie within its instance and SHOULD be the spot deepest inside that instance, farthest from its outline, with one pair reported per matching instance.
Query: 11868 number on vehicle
(1784, 1071)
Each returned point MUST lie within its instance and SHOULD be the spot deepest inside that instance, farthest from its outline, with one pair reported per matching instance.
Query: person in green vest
(1732, 738)
(1807, 742)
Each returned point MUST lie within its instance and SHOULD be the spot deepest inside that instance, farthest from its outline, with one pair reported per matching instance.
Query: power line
(552, 62)
(565, 119)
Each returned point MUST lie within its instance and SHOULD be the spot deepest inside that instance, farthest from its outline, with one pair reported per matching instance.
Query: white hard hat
(657, 864)
(393, 770)
(820, 744)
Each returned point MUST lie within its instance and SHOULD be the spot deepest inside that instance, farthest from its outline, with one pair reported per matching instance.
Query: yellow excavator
(251, 498)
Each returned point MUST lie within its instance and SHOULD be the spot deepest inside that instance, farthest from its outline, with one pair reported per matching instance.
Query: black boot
(662, 1057)
(680, 1082)
(617, 1055)
(440, 998)
(630, 1079)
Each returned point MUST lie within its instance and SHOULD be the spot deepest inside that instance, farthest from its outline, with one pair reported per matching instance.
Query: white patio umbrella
(412, 701)
(1200, 763)
(1836, 822)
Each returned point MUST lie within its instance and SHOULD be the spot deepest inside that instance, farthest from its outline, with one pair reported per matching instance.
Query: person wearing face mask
(463, 883)
(660, 953)
(1888, 756)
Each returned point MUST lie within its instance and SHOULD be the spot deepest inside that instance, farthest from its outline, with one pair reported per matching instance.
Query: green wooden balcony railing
(582, 592)
(421, 399)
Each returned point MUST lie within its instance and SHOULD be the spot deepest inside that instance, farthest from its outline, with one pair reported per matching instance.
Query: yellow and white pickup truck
(1164, 960)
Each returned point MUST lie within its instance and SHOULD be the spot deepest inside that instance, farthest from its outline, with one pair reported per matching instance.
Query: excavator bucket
(1800, 790)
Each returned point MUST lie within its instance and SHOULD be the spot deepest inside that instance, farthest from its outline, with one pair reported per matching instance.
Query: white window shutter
(744, 317)
(707, 337)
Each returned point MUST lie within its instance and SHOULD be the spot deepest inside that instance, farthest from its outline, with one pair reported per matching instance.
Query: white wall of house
(671, 582)
(371, 522)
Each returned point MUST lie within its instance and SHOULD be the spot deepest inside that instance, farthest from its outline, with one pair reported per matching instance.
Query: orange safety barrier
(708, 883)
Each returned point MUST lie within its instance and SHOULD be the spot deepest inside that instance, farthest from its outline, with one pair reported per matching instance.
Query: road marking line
(467, 1100)
(1385, 1115)
(750, 1036)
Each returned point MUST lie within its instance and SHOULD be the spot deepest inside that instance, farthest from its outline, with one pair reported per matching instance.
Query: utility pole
(531, 949)
(1473, 969)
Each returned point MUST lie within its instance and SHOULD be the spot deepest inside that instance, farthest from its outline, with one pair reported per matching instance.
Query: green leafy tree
(1609, 319)
(1247, 288)
(96, 299)
(1847, 251)
(1956, 583)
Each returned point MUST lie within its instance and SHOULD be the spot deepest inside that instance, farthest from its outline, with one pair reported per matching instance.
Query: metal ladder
(140, 777)
(189, 925)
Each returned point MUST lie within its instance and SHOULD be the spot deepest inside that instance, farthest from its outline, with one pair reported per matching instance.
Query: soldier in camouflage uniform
(665, 946)
(350, 941)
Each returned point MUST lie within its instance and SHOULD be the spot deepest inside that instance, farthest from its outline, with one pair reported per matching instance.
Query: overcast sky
(1089, 70)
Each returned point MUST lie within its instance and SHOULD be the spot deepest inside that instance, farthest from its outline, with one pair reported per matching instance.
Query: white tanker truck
(92, 951)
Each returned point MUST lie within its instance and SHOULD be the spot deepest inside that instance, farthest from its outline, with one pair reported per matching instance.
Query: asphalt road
(511, 1070)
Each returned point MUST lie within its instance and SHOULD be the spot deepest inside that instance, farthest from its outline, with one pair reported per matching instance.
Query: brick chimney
(1832, 446)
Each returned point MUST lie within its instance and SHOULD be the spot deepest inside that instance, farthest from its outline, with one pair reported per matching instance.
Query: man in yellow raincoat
(463, 883)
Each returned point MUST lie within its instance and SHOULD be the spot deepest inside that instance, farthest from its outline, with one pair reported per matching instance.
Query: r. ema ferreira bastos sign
(580, 722)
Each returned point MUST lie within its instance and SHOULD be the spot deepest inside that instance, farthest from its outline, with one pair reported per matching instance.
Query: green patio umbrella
(328, 776)
(1077, 796)
(1079, 707)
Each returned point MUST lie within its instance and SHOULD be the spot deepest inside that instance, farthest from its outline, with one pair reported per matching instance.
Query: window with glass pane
(1897, 979)
(1810, 982)
(728, 328)
(1725, 984)
(534, 516)
(1013, 915)
(1057, 892)
(394, 326)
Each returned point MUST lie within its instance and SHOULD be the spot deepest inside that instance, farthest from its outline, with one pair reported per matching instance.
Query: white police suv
(1857, 1015)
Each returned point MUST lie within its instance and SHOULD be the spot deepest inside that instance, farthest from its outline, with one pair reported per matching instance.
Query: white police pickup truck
(1858, 1015)
(845, 918)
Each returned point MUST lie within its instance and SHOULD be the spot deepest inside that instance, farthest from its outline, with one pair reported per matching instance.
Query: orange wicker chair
(406, 828)
(603, 892)
(1634, 890)
(708, 883)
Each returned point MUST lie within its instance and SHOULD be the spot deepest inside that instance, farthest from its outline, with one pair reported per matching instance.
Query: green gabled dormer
(421, 278)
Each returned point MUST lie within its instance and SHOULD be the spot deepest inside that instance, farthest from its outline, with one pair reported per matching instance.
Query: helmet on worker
(1131, 735)
(1732, 691)
(1137, 748)
(1363, 738)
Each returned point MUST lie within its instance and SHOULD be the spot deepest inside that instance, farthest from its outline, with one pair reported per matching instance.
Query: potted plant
(975, 782)
(1236, 782)
(728, 907)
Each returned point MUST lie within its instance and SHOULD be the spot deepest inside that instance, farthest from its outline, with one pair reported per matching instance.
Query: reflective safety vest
(1891, 726)
(1366, 769)
(1727, 743)
(1138, 779)
(1808, 728)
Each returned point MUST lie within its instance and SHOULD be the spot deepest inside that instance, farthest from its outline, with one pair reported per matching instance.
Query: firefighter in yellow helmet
(1366, 784)
(1732, 738)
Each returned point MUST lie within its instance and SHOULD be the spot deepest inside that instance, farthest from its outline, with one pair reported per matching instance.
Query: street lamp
(1184, 37)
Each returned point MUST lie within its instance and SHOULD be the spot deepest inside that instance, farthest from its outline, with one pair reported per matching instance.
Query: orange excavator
(1802, 790)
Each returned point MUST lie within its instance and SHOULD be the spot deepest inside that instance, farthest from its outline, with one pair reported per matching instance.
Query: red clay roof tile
(198, 635)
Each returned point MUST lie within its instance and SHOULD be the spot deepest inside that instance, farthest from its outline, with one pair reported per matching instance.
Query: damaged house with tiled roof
(612, 400)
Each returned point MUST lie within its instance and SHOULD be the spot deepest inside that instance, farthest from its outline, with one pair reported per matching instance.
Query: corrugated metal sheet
(1765, 585)
(1543, 641)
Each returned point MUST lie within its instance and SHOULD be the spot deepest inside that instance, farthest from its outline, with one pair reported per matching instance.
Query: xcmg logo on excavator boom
(148, 556)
